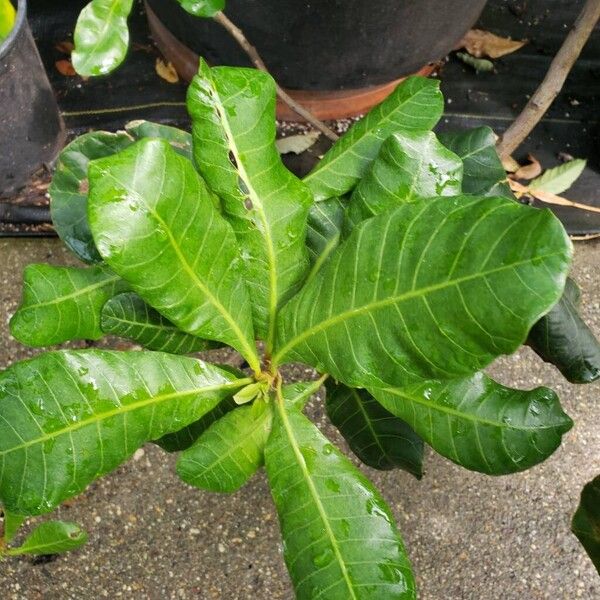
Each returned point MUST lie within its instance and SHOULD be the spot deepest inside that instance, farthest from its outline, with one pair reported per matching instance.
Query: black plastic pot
(31, 129)
(329, 44)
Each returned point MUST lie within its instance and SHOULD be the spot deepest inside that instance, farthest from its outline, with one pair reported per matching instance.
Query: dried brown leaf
(64, 67)
(166, 71)
(480, 43)
(530, 171)
(549, 197)
(510, 164)
(65, 47)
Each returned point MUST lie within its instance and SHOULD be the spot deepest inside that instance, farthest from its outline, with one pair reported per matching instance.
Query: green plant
(397, 269)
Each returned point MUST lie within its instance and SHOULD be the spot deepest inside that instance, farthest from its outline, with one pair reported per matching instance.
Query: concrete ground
(469, 536)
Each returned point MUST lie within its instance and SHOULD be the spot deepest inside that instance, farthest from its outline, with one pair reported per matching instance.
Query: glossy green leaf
(101, 37)
(63, 303)
(69, 189)
(480, 424)
(11, 524)
(410, 166)
(380, 439)
(52, 537)
(184, 438)
(128, 316)
(66, 418)
(202, 8)
(586, 521)
(562, 338)
(483, 173)
(233, 117)
(340, 539)
(181, 141)
(559, 179)
(415, 105)
(435, 289)
(325, 223)
(230, 451)
(155, 225)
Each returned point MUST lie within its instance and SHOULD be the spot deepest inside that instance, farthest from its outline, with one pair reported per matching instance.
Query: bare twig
(585, 238)
(257, 61)
(554, 80)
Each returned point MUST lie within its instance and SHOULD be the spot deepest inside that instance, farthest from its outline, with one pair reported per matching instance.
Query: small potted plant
(397, 269)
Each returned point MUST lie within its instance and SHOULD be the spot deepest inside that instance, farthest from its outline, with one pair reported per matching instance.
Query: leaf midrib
(123, 409)
(372, 306)
(462, 415)
(75, 294)
(313, 491)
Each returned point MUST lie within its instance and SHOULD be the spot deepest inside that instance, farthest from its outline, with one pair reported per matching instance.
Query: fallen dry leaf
(480, 43)
(510, 164)
(65, 47)
(297, 144)
(549, 197)
(166, 71)
(64, 67)
(530, 171)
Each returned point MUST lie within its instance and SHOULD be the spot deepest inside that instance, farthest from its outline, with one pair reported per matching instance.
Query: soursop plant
(398, 269)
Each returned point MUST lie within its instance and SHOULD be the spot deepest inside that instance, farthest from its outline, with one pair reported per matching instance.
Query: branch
(257, 61)
(554, 80)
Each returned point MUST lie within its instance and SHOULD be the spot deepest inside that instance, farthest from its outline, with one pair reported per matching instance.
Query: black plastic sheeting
(571, 126)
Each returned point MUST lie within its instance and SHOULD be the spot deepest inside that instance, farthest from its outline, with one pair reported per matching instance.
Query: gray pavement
(469, 536)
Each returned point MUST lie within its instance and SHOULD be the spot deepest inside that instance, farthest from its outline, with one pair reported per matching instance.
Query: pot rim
(20, 22)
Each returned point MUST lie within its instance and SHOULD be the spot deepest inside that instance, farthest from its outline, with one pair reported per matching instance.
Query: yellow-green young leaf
(233, 118)
(559, 179)
(52, 537)
(586, 521)
(101, 37)
(128, 316)
(66, 418)
(435, 289)
(155, 225)
(483, 173)
(410, 166)
(69, 189)
(340, 539)
(379, 438)
(480, 424)
(415, 105)
(202, 8)
(230, 451)
(562, 338)
(63, 303)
